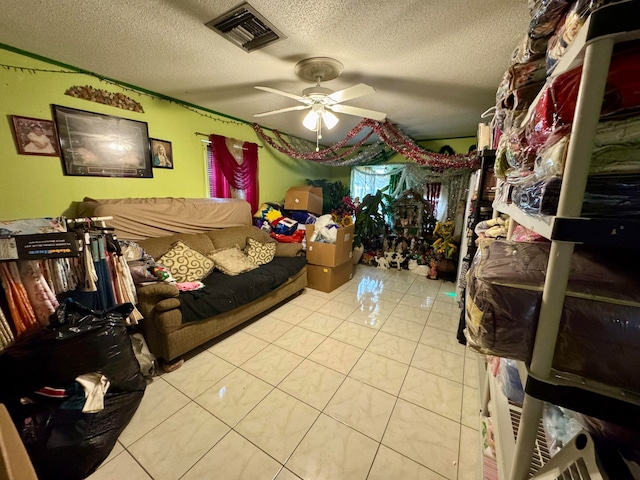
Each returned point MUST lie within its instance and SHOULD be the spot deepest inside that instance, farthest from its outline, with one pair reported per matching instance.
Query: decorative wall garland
(118, 100)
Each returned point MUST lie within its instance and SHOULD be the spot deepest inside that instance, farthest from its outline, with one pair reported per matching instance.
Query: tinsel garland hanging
(388, 133)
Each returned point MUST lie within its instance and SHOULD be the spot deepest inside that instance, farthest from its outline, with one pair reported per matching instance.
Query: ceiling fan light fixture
(329, 119)
(311, 120)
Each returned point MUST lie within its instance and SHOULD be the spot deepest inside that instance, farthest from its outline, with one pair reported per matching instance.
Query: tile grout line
(393, 409)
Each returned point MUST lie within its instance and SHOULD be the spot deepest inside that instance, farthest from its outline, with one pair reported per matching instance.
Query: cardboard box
(330, 254)
(327, 279)
(15, 463)
(305, 198)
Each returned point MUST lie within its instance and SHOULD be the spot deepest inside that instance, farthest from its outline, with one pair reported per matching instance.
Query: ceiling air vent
(246, 28)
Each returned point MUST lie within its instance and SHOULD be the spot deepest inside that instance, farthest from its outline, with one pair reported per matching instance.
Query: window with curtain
(232, 169)
(368, 180)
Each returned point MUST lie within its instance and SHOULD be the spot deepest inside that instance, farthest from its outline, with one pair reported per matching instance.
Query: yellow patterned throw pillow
(185, 263)
(260, 253)
(232, 261)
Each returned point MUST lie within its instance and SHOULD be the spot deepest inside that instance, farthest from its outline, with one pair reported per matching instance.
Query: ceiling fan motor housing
(319, 69)
(316, 93)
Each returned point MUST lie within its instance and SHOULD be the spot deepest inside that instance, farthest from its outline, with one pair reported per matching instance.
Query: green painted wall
(35, 186)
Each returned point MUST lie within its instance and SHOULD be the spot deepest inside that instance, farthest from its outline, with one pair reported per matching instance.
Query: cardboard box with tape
(305, 198)
(327, 279)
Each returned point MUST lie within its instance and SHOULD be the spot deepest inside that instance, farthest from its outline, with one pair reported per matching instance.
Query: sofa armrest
(164, 290)
(167, 304)
(156, 298)
(288, 249)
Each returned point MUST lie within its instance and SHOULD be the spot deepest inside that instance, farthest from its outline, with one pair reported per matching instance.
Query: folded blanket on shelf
(600, 327)
(616, 151)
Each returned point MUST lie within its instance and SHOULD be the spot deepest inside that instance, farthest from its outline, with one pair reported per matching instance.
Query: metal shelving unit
(593, 48)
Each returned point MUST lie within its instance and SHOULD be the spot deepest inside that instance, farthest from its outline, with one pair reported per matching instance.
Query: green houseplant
(371, 219)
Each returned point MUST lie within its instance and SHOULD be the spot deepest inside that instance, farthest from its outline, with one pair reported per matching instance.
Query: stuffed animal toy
(382, 262)
(367, 258)
(394, 259)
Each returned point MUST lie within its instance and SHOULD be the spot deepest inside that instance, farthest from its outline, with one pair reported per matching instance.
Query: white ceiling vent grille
(246, 28)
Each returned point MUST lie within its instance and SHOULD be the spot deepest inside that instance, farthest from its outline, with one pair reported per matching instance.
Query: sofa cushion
(185, 263)
(232, 261)
(223, 293)
(231, 236)
(288, 249)
(156, 247)
(260, 253)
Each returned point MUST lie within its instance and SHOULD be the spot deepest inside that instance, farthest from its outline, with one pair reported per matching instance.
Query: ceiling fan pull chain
(319, 133)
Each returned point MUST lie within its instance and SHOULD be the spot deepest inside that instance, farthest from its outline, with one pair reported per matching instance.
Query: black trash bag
(62, 441)
(78, 341)
(67, 443)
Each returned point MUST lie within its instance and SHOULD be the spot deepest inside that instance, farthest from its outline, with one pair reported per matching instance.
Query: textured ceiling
(435, 65)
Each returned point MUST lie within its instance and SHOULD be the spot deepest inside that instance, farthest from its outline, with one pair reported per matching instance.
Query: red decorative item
(297, 237)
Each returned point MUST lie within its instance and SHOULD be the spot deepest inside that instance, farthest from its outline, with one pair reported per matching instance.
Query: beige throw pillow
(232, 261)
(260, 253)
(185, 263)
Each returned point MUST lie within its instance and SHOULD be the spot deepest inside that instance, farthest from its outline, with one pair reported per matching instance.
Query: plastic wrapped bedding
(545, 16)
(553, 113)
(599, 334)
(605, 196)
(568, 28)
(616, 151)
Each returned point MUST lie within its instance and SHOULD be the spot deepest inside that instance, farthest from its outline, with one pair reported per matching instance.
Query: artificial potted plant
(371, 221)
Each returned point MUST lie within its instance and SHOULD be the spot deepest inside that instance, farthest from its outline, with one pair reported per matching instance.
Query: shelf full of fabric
(560, 215)
(89, 269)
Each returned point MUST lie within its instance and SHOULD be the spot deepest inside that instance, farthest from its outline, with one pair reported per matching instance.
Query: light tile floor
(365, 382)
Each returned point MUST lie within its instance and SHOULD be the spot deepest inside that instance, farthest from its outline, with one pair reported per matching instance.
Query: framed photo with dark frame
(162, 153)
(97, 145)
(35, 136)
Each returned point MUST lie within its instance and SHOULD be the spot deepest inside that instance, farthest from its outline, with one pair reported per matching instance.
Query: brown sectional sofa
(166, 334)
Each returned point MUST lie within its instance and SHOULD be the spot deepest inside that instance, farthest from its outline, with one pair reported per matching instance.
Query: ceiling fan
(322, 101)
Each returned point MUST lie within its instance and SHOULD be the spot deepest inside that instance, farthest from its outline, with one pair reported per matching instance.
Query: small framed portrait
(35, 136)
(161, 153)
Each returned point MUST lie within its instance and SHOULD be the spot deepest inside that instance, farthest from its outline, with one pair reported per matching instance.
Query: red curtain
(239, 171)
(432, 194)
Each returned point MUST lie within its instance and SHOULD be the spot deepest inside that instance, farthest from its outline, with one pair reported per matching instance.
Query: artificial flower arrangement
(444, 245)
(344, 212)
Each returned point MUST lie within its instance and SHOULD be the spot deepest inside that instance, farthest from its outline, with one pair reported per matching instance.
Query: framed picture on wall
(162, 153)
(35, 136)
(93, 144)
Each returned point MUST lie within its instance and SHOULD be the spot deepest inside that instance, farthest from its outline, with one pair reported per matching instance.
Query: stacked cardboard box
(329, 264)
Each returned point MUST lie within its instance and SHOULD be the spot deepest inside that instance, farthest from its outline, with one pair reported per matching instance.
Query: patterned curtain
(233, 169)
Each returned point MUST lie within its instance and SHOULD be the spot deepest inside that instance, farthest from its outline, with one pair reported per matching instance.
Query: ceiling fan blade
(359, 112)
(283, 93)
(355, 91)
(282, 110)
